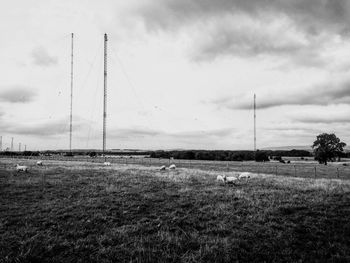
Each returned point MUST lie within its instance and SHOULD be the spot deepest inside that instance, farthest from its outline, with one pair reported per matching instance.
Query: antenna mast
(105, 95)
(71, 99)
(254, 123)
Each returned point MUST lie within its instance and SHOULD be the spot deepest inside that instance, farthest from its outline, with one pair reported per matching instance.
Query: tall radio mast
(254, 122)
(104, 95)
(71, 99)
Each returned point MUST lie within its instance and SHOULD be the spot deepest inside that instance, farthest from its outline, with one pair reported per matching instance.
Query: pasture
(77, 211)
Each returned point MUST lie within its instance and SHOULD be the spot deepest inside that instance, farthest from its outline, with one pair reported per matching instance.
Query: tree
(261, 156)
(327, 147)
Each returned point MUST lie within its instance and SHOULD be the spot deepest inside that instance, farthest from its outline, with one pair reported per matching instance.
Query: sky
(181, 74)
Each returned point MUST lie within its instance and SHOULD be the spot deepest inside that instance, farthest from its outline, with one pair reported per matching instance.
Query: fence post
(42, 181)
(338, 172)
(295, 171)
(315, 172)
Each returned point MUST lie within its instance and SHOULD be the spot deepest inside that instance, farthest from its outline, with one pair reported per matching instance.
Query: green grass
(78, 212)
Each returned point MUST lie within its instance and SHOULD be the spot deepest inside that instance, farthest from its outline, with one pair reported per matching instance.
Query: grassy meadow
(85, 212)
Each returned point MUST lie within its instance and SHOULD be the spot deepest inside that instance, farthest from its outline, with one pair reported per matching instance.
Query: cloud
(41, 57)
(244, 36)
(43, 128)
(17, 94)
(139, 132)
(311, 16)
(251, 27)
(323, 119)
(334, 114)
(322, 94)
(133, 133)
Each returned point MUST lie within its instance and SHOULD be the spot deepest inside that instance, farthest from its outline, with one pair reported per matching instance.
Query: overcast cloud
(17, 94)
(43, 127)
(251, 27)
(181, 74)
(42, 58)
(322, 94)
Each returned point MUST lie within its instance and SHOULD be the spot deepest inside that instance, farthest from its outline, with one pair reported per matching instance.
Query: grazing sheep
(39, 163)
(172, 167)
(230, 179)
(220, 178)
(107, 164)
(244, 175)
(162, 168)
(21, 168)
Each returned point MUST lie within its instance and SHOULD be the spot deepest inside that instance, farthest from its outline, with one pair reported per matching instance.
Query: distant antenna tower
(25, 147)
(104, 95)
(71, 98)
(254, 123)
(19, 147)
(12, 144)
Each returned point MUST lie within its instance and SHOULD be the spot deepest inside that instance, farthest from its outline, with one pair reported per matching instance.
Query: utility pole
(105, 95)
(19, 147)
(25, 147)
(0, 143)
(254, 123)
(12, 144)
(71, 99)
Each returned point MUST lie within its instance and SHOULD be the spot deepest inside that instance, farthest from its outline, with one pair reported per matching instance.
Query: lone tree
(327, 147)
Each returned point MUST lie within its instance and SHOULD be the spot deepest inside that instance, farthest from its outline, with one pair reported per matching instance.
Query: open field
(297, 168)
(84, 212)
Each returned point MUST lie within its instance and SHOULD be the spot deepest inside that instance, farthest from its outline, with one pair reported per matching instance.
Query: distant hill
(288, 148)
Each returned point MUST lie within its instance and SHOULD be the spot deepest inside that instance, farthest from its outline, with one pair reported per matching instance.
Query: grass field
(297, 167)
(84, 212)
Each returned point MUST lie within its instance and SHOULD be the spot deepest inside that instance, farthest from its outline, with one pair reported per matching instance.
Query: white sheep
(244, 175)
(39, 163)
(220, 178)
(162, 168)
(230, 179)
(172, 167)
(21, 168)
(107, 164)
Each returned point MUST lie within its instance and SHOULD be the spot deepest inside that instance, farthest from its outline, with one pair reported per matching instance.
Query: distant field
(70, 211)
(297, 167)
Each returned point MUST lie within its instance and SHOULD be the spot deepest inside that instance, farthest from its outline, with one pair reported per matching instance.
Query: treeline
(215, 155)
(25, 153)
(291, 153)
(228, 155)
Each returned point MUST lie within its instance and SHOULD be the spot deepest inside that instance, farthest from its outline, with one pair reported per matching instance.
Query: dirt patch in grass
(64, 212)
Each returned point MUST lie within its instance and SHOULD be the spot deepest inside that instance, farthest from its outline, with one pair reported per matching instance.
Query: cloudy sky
(182, 74)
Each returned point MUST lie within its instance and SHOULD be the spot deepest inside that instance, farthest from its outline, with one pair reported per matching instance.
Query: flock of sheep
(233, 179)
(220, 178)
(171, 167)
(24, 168)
